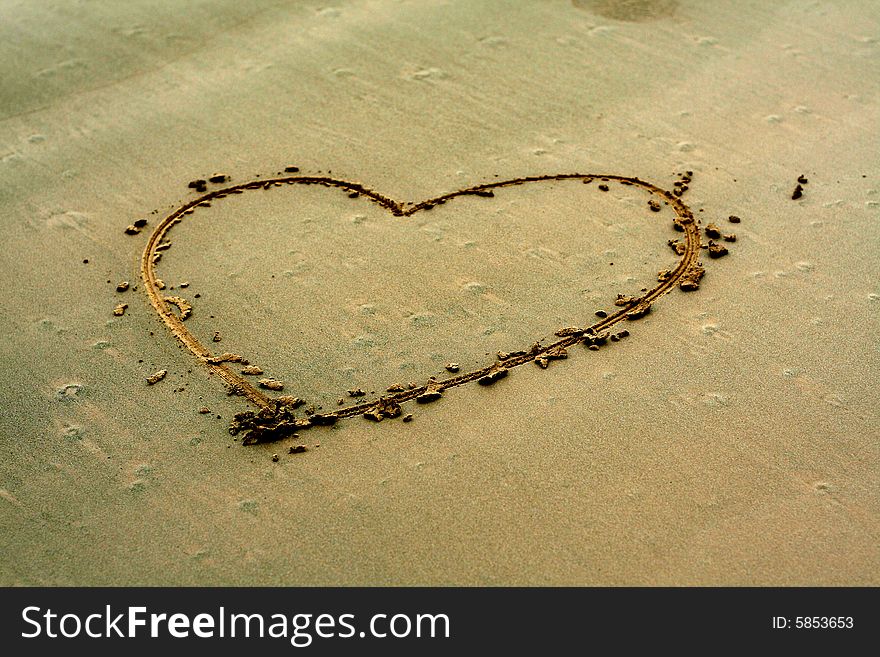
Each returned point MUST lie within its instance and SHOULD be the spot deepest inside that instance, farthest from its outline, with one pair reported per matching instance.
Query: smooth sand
(731, 439)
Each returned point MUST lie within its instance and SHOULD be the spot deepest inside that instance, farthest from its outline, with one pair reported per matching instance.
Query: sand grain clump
(156, 377)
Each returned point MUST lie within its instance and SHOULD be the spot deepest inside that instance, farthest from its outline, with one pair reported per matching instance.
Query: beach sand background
(731, 439)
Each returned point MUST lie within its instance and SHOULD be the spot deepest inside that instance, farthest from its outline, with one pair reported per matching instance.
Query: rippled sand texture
(732, 438)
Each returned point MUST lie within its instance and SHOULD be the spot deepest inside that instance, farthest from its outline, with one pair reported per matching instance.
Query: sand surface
(732, 438)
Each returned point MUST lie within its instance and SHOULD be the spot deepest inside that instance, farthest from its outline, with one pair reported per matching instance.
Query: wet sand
(729, 438)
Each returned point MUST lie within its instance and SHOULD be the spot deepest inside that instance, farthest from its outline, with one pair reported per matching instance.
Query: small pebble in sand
(604, 188)
(155, 377)
(558, 353)
(216, 337)
(297, 449)
(452, 367)
(218, 178)
(485, 193)
(730, 237)
(271, 384)
(654, 205)
(677, 246)
(384, 408)
(593, 347)
(291, 169)
(496, 373)
(408, 417)
(132, 230)
(713, 231)
(122, 287)
(690, 281)
(204, 410)
(797, 193)
(397, 387)
(252, 369)
(639, 311)
(357, 392)
(274, 458)
(601, 313)
(802, 179)
(717, 250)
(196, 184)
(119, 310)
(433, 392)
(598, 339)
(734, 219)
(428, 396)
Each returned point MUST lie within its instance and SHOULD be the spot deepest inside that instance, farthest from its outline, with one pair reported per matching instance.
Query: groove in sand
(689, 258)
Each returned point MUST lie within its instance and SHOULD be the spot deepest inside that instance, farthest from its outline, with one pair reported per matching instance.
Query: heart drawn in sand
(276, 417)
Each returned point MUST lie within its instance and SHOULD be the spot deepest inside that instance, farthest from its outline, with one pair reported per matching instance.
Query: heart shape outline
(689, 261)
